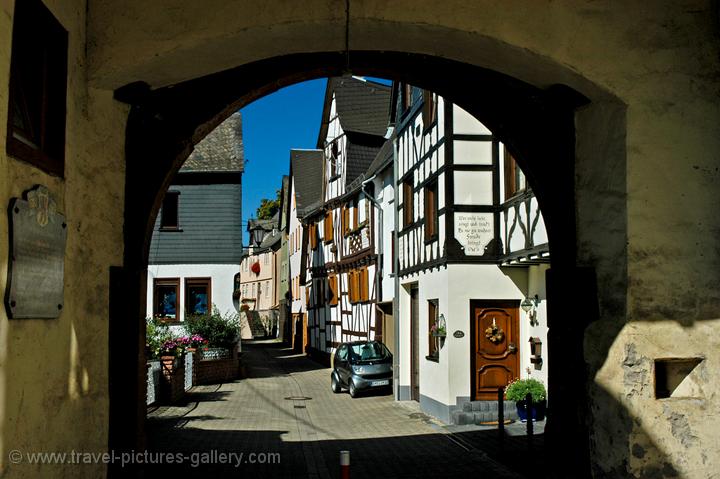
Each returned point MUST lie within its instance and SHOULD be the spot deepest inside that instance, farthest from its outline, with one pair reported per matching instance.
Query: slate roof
(270, 240)
(362, 106)
(382, 159)
(359, 158)
(221, 150)
(267, 224)
(307, 172)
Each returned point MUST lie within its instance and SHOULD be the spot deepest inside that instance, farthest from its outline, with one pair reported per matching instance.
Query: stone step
(476, 406)
(476, 412)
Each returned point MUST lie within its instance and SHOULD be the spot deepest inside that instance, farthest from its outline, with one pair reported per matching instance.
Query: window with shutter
(431, 214)
(429, 111)
(333, 290)
(408, 203)
(364, 286)
(328, 227)
(514, 177)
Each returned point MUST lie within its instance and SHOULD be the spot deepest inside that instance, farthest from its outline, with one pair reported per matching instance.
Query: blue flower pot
(537, 411)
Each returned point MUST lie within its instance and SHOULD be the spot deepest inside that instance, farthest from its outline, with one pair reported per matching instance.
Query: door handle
(511, 347)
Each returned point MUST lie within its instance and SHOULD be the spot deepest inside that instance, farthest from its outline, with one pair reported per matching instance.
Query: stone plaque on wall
(37, 257)
(474, 231)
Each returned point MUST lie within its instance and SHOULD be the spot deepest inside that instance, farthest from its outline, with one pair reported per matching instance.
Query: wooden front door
(414, 346)
(297, 332)
(306, 333)
(495, 359)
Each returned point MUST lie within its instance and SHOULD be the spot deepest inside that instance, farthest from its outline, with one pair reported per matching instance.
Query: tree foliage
(268, 208)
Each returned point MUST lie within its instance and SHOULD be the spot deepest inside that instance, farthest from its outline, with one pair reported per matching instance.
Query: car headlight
(358, 369)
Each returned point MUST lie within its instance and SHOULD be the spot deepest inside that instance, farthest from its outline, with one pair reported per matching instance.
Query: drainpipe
(378, 268)
(396, 300)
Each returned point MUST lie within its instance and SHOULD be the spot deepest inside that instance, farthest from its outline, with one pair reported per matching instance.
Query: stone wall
(60, 403)
(214, 371)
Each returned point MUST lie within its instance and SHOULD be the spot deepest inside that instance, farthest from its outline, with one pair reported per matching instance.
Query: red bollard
(344, 464)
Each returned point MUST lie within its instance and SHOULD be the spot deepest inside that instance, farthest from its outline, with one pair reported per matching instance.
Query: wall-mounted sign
(474, 231)
(37, 257)
(458, 334)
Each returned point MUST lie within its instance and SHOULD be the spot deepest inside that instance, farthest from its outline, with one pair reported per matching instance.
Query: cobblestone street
(286, 422)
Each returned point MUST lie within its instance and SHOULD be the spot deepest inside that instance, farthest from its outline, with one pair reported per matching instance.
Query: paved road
(284, 437)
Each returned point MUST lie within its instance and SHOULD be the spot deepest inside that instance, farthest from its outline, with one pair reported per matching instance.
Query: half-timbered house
(343, 281)
(306, 193)
(471, 249)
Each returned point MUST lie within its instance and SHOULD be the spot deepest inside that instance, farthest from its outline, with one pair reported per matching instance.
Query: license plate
(384, 382)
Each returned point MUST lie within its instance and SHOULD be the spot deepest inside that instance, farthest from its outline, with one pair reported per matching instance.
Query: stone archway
(537, 124)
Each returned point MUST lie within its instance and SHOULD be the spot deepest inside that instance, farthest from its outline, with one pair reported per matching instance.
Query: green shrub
(156, 334)
(519, 389)
(221, 331)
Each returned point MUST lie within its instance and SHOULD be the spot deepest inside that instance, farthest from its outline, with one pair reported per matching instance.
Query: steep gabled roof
(221, 150)
(307, 172)
(363, 107)
(380, 161)
(359, 158)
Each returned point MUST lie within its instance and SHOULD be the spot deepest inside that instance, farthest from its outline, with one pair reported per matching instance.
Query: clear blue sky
(272, 125)
(289, 118)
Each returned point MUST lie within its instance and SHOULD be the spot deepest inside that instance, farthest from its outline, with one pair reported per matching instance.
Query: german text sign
(37, 257)
(474, 231)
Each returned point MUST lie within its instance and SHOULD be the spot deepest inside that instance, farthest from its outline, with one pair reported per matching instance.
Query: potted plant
(438, 330)
(518, 390)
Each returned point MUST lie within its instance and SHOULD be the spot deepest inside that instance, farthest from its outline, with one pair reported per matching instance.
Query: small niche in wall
(677, 378)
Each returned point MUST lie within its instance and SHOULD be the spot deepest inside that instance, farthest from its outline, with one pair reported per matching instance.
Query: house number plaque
(37, 257)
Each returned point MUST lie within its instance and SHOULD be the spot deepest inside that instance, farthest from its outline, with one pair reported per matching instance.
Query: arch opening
(538, 127)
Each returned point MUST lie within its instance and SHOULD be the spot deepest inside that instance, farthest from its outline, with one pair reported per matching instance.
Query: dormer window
(169, 213)
(334, 159)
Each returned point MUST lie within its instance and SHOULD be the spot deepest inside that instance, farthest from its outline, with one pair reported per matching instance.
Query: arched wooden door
(495, 357)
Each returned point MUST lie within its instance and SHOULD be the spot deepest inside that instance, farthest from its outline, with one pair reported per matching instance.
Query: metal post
(344, 464)
(501, 416)
(528, 411)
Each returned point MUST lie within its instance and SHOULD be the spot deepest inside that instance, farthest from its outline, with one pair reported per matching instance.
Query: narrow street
(286, 422)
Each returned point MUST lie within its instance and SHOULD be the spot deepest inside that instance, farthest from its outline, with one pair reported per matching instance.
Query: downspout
(396, 300)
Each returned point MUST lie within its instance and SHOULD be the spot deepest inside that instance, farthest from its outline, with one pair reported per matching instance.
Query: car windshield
(370, 351)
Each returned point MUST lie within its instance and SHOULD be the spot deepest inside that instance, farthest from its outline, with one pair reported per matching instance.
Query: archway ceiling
(164, 45)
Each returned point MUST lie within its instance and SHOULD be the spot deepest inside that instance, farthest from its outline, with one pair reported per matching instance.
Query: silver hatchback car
(361, 366)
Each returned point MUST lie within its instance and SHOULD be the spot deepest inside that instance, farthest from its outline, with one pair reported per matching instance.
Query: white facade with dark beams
(463, 212)
(343, 280)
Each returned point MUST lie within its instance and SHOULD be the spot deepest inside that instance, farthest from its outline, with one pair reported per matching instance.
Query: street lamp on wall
(256, 234)
(529, 305)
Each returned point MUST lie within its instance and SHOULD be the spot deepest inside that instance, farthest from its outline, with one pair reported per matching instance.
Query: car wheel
(351, 389)
(334, 385)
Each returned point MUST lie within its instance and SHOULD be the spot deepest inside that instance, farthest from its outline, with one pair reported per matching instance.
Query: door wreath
(495, 334)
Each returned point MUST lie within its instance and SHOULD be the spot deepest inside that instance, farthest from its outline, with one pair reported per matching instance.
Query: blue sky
(272, 125)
